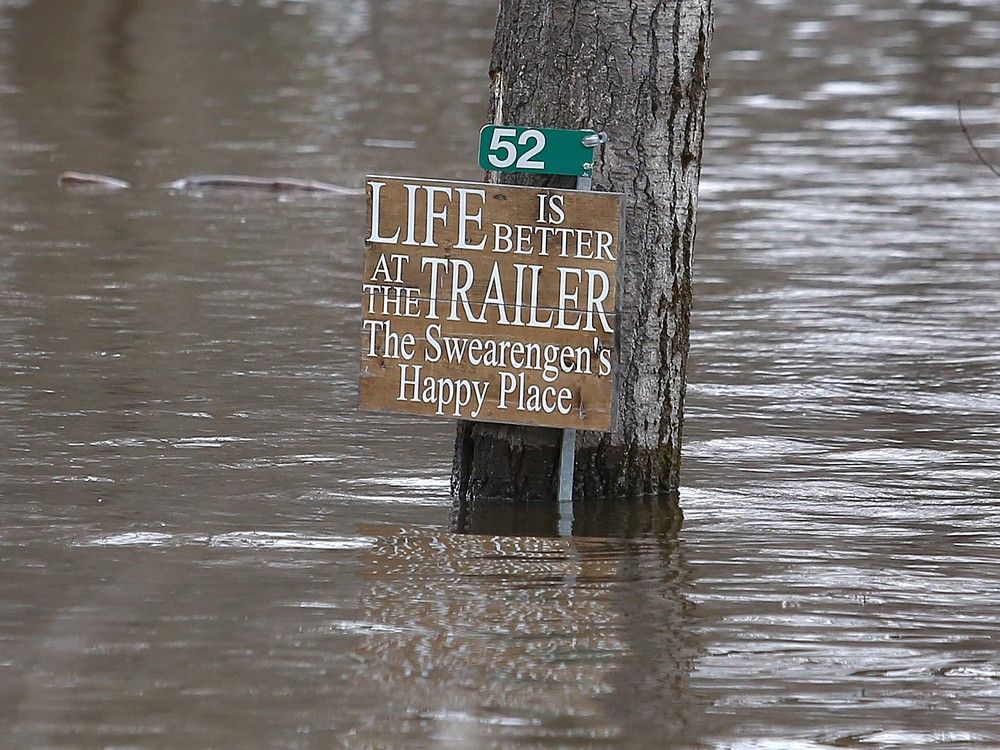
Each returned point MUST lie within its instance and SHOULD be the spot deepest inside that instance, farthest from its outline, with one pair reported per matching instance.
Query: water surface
(203, 543)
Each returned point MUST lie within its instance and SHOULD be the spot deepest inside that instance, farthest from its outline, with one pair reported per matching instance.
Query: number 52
(503, 152)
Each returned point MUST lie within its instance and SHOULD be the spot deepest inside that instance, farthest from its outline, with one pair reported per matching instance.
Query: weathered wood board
(490, 302)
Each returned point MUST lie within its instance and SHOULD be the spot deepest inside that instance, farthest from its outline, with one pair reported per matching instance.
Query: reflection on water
(202, 543)
(475, 639)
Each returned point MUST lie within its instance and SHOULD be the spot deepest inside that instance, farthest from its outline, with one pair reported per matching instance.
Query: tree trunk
(637, 69)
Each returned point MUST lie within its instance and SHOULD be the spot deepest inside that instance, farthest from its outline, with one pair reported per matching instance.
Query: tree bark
(637, 69)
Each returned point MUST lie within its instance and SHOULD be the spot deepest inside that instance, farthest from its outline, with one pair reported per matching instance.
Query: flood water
(204, 544)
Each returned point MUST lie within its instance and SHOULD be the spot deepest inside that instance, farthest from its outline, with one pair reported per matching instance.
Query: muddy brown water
(204, 544)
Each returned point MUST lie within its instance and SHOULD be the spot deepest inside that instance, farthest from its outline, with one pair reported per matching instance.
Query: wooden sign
(490, 302)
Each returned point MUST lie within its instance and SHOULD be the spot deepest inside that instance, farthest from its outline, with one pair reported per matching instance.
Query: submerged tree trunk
(637, 69)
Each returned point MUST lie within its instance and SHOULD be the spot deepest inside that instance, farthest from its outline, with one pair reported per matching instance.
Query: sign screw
(595, 139)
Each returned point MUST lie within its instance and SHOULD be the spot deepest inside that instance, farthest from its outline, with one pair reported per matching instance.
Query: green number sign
(544, 150)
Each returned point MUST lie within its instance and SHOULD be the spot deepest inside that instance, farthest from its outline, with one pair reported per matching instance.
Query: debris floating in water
(267, 183)
(82, 179)
(196, 182)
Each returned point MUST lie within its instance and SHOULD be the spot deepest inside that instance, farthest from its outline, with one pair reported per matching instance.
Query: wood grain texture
(527, 335)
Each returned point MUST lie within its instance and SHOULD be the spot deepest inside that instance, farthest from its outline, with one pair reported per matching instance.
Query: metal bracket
(595, 139)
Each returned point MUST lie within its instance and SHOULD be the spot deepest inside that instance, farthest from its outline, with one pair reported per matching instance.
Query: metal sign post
(567, 451)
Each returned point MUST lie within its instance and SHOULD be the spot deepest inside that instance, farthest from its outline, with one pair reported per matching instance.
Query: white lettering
(433, 214)
(494, 296)
(374, 235)
(465, 218)
(567, 298)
